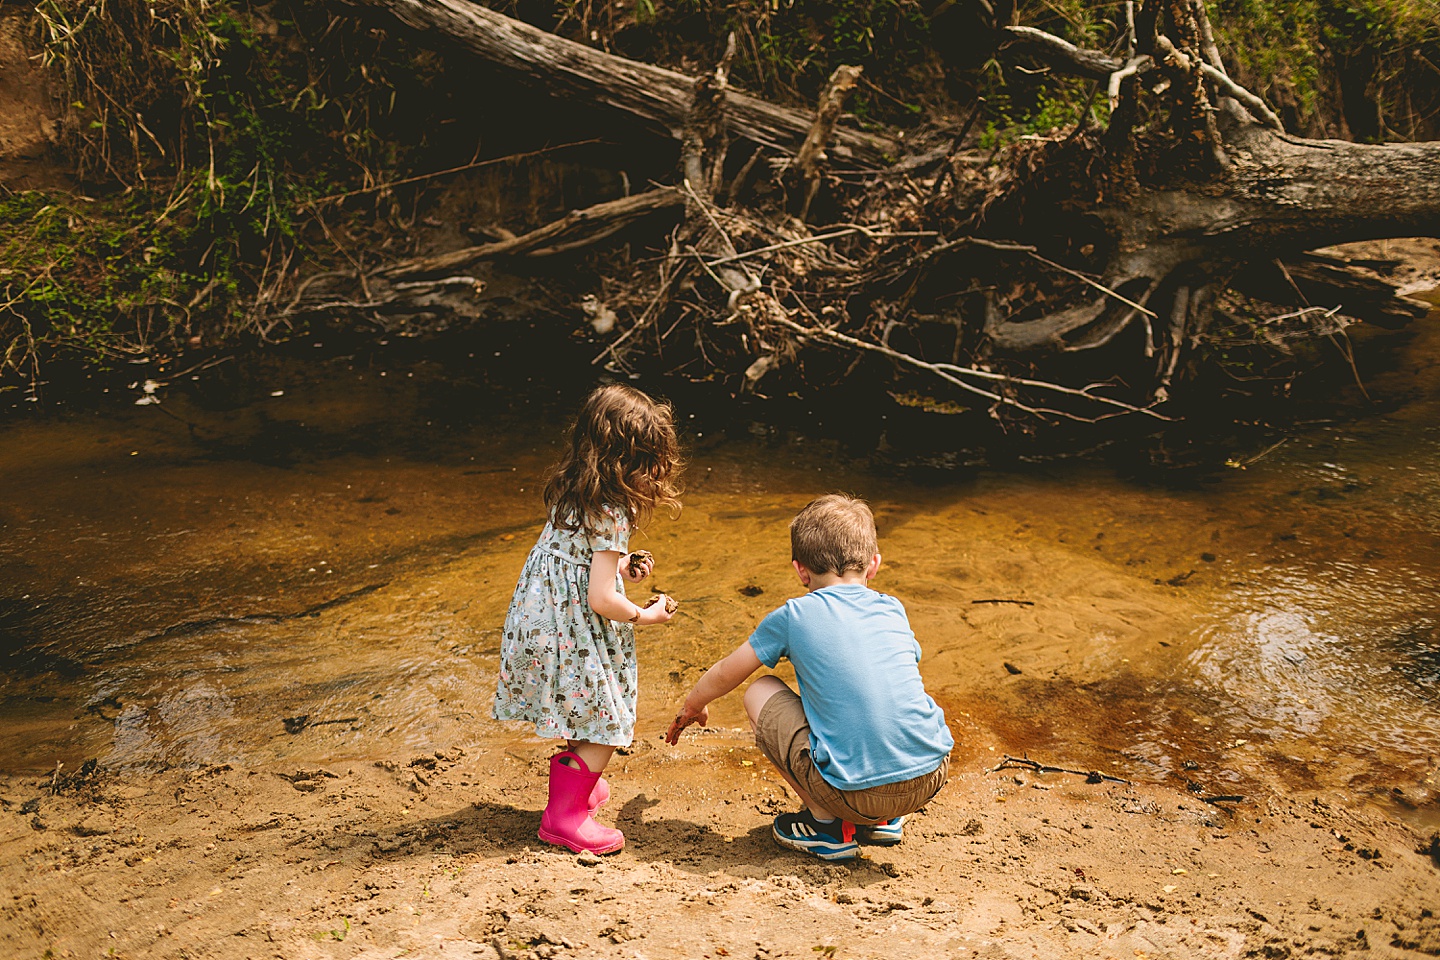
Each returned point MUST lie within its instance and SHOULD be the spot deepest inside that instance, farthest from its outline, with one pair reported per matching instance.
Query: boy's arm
(719, 680)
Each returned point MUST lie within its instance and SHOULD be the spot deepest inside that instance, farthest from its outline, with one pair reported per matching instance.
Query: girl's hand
(637, 566)
(658, 609)
(683, 719)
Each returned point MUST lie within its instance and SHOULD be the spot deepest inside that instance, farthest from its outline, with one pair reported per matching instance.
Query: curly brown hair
(623, 454)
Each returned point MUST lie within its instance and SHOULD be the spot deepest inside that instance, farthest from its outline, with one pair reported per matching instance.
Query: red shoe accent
(847, 831)
(566, 821)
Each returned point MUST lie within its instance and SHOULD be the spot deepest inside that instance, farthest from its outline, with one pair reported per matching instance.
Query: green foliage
(82, 276)
(1294, 51)
(1020, 104)
(787, 49)
(337, 935)
(1018, 110)
(204, 132)
(1276, 44)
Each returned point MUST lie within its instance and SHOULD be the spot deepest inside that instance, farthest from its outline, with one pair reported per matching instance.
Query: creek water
(321, 574)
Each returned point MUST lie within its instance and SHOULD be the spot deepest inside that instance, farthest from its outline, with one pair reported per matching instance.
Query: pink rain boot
(598, 796)
(566, 821)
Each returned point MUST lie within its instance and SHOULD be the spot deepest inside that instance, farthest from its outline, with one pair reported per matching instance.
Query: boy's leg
(759, 694)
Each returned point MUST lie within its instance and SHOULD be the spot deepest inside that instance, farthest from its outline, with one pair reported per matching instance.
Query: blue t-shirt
(858, 664)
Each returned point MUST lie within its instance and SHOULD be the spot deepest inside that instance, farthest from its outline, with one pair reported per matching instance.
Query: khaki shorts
(783, 735)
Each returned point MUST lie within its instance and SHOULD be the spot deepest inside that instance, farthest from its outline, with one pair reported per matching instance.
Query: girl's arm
(611, 603)
(719, 680)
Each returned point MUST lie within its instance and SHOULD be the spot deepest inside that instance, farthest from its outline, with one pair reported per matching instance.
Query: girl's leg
(595, 755)
(758, 694)
(576, 789)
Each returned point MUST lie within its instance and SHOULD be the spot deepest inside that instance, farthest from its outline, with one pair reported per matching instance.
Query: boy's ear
(873, 567)
(802, 572)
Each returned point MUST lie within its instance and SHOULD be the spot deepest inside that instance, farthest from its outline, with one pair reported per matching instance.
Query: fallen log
(658, 97)
(1255, 196)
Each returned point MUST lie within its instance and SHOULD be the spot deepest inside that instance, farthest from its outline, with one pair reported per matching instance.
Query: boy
(862, 744)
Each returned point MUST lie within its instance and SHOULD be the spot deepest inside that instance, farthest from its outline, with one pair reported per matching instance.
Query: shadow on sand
(502, 830)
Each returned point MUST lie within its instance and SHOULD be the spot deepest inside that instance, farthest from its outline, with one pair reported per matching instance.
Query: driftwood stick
(669, 273)
(821, 238)
(1304, 312)
(477, 165)
(578, 228)
(702, 145)
(1259, 108)
(742, 177)
(1091, 776)
(1207, 35)
(1094, 283)
(1174, 341)
(812, 157)
(947, 170)
(1065, 56)
(953, 374)
(705, 207)
(1118, 77)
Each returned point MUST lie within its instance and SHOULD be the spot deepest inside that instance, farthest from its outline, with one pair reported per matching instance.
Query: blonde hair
(834, 534)
(623, 454)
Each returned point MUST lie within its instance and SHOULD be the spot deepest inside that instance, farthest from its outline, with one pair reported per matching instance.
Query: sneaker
(887, 833)
(828, 841)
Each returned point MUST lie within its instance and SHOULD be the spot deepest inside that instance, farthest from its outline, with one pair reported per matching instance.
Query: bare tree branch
(578, 228)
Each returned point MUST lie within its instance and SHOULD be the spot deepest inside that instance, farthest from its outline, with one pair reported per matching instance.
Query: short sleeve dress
(563, 667)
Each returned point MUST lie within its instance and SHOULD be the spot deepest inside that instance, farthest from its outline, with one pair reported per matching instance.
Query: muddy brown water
(321, 575)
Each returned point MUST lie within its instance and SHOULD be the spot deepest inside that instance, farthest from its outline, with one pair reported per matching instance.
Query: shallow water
(322, 575)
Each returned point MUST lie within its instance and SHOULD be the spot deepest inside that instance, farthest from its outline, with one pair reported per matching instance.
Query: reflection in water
(186, 726)
(172, 596)
(1339, 654)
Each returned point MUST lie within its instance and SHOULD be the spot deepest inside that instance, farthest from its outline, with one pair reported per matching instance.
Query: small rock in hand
(640, 556)
(670, 603)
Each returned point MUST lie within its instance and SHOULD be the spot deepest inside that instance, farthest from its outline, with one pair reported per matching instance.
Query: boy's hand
(637, 566)
(683, 719)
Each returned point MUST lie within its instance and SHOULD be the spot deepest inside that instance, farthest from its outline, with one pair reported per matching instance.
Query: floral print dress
(563, 667)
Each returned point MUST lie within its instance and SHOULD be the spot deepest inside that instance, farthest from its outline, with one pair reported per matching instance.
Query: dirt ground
(436, 856)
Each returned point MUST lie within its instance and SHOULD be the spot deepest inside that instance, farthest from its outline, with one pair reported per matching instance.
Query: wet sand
(434, 855)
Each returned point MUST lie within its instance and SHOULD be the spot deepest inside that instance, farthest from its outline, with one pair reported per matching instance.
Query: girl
(567, 658)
